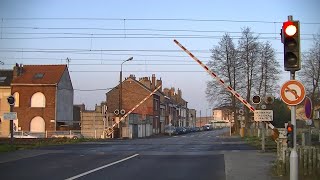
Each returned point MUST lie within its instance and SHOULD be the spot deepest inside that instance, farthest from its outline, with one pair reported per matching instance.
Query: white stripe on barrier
(216, 77)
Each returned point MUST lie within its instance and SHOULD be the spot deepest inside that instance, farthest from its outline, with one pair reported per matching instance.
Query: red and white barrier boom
(110, 130)
(227, 87)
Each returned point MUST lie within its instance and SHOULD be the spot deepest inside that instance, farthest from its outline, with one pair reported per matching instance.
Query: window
(38, 76)
(38, 100)
(16, 97)
(156, 104)
(2, 79)
(37, 124)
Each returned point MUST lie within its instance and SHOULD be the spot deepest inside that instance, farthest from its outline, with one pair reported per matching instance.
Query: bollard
(287, 161)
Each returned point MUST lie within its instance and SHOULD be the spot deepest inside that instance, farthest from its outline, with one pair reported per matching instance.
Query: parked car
(23, 135)
(207, 127)
(69, 135)
(181, 130)
(170, 130)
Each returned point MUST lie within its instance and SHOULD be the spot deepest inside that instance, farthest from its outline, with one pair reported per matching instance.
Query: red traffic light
(289, 28)
(256, 99)
(289, 129)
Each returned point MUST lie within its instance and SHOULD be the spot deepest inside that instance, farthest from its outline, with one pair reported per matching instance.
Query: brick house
(143, 121)
(177, 108)
(5, 92)
(44, 97)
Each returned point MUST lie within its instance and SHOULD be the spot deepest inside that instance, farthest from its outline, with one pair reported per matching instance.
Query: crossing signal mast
(290, 37)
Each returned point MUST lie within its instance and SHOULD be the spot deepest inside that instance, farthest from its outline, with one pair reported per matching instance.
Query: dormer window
(38, 76)
(2, 79)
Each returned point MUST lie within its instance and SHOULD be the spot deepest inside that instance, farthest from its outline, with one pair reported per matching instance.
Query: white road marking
(102, 167)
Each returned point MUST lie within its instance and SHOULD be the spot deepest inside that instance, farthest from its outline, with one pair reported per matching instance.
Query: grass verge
(19, 144)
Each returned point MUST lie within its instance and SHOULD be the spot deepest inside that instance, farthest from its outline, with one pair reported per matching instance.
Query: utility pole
(11, 102)
(200, 119)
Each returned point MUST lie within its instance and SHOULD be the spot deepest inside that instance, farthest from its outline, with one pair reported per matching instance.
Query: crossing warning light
(256, 99)
(290, 37)
(290, 134)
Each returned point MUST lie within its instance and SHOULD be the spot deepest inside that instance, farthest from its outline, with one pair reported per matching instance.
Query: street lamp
(120, 91)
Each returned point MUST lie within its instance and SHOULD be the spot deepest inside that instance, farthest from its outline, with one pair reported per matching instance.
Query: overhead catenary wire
(150, 19)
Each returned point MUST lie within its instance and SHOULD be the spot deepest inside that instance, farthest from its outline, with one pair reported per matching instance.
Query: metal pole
(200, 119)
(293, 154)
(263, 137)
(11, 126)
(206, 117)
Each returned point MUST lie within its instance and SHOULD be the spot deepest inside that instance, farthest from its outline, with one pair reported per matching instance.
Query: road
(200, 155)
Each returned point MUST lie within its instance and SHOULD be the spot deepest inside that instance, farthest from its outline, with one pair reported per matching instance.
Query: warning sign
(263, 115)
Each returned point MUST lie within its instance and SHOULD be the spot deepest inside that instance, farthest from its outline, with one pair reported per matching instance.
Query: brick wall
(26, 113)
(132, 94)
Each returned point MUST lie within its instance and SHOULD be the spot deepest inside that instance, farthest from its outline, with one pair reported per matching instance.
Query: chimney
(16, 71)
(21, 69)
(153, 82)
(179, 93)
(171, 92)
(132, 76)
(166, 91)
(159, 83)
(146, 82)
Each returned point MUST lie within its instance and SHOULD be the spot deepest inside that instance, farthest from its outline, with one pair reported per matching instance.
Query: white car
(22, 135)
(70, 136)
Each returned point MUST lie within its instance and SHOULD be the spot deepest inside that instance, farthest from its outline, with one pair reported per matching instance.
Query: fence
(309, 159)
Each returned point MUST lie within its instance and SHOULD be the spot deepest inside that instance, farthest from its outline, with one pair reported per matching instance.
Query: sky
(97, 36)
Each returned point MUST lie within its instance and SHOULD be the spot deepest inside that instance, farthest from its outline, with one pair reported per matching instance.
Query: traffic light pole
(11, 125)
(294, 154)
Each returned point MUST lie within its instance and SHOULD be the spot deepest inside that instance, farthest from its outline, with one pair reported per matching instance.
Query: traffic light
(11, 100)
(269, 99)
(256, 99)
(290, 134)
(290, 37)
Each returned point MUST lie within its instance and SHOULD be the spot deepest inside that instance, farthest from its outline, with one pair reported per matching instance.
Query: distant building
(162, 108)
(143, 121)
(5, 91)
(44, 97)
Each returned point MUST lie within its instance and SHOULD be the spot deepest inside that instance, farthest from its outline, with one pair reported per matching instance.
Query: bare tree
(224, 61)
(310, 72)
(248, 48)
(269, 70)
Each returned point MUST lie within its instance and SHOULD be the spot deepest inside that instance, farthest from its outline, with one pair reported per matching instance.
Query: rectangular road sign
(263, 115)
(10, 116)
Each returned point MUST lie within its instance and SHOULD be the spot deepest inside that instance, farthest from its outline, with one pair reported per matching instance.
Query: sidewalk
(249, 165)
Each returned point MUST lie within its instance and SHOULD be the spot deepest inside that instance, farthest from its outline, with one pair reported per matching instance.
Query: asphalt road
(191, 156)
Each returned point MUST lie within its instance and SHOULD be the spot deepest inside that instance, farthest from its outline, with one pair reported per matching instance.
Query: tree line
(250, 67)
